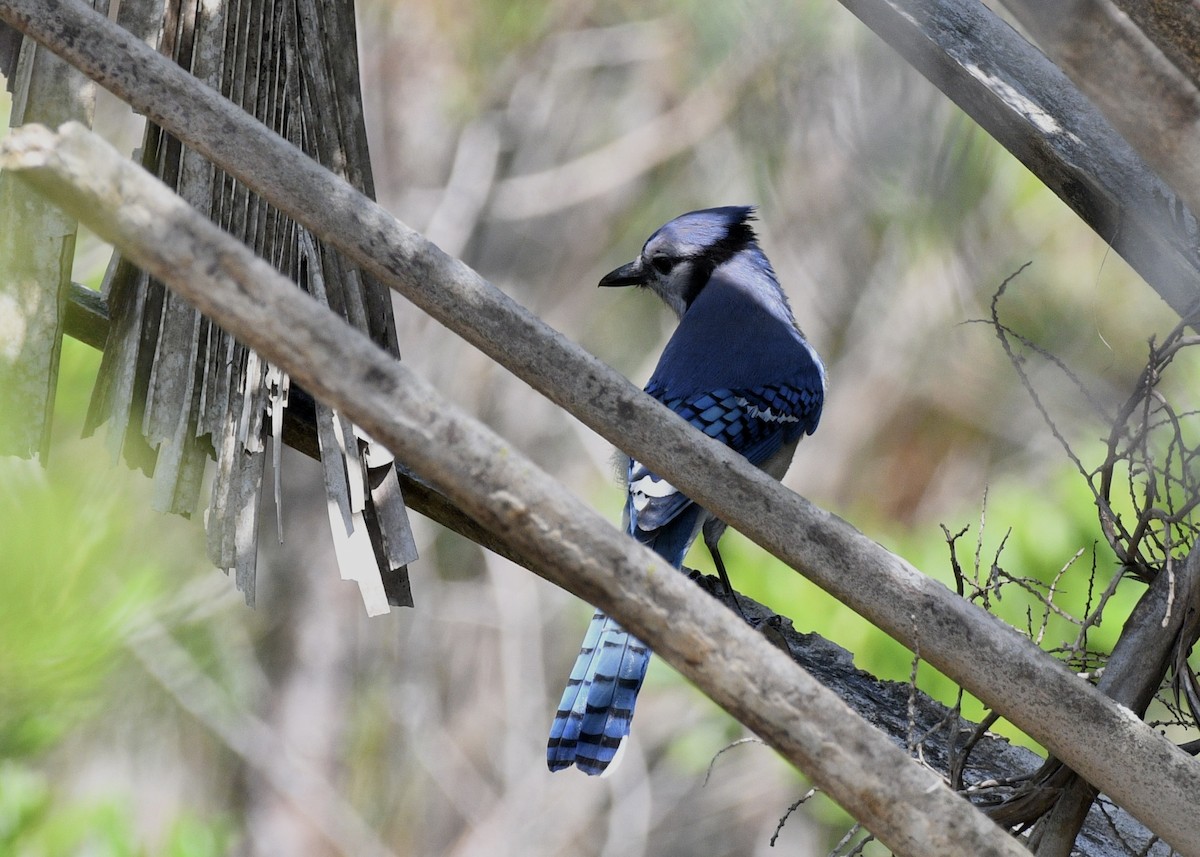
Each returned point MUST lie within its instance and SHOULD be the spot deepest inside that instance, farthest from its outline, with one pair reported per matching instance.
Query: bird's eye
(662, 264)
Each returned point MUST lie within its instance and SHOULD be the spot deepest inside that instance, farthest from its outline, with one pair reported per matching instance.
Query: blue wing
(757, 423)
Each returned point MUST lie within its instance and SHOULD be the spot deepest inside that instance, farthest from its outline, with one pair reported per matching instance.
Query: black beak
(633, 274)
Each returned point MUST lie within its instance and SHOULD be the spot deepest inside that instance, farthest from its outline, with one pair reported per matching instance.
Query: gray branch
(1132, 676)
(1032, 108)
(1137, 87)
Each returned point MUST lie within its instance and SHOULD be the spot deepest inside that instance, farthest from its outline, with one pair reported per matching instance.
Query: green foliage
(76, 569)
(70, 584)
(33, 824)
(82, 562)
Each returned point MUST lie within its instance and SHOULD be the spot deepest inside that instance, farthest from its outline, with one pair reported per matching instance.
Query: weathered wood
(904, 804)
(1153, 104)
(1033, 109)
(37, 248)
(87, 320)
(1133, 674)
(86, 317)
(994, 769)
(174, 388)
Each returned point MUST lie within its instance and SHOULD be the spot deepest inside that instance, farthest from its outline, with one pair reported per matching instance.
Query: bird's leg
(716, 556)
(713, 530)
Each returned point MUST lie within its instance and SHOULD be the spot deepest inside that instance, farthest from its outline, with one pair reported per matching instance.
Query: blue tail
(597, 705)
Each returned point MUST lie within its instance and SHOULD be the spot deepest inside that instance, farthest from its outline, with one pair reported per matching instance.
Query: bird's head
(678, 259)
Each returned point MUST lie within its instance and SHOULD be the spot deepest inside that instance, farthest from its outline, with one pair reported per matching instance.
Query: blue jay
(739, 369)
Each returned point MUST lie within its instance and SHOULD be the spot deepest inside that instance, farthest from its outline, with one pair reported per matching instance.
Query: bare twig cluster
(1147, 485)
(1146, 489)
(1150, 468)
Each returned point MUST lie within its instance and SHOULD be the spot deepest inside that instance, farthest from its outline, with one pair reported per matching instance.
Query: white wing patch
(648, 488)
(755, 412)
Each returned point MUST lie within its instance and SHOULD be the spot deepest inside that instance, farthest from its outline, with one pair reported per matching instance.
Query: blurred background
(145, 710)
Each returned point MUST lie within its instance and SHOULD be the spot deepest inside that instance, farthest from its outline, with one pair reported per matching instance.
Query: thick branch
(1151, 778)
(992, 770)
(905, 805)
(1145, 96)
(1030, 107)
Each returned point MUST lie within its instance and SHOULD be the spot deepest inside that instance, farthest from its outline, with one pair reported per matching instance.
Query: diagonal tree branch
(889, 706)
(1142, 92)
(1032, 108)
(1132, 676)
(552, 528)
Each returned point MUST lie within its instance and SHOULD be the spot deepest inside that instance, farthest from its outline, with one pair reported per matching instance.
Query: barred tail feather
(597, 705)
(564, 733)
